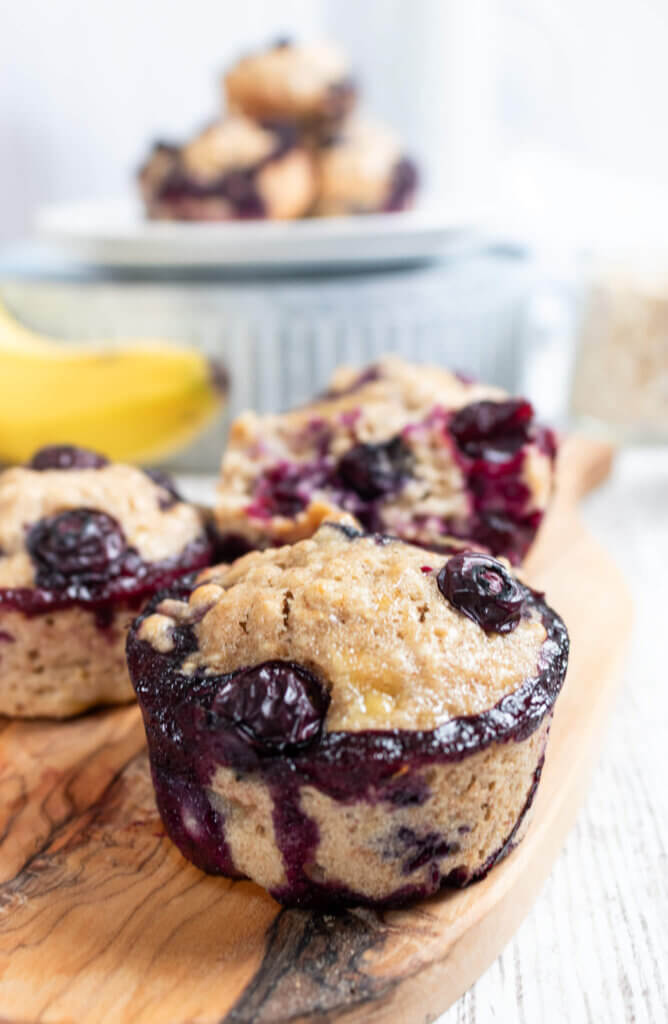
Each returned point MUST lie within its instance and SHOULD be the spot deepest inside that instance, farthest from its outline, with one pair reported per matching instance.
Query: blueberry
(184, 640)
(276, 707)
(507, 534)
(164, 480)
(373, 470)
(422, 849)
(479, 587)
(240, 189)
(403, 184)
(485, 429)
(351, 532)
(367, 376)
(285, 489)
(81, 542)
(66, 456)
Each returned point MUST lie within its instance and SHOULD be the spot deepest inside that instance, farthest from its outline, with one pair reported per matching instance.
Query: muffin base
(62, 662)
(61, 653)
(461, 819)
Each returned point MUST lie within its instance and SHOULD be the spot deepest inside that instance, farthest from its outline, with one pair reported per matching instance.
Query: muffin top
(393, 380)
(70, 513)
(377, 401)
(288, 79)
(229, 144)
(282, 473)
(357, 164)
(400, 638)
(225, 146)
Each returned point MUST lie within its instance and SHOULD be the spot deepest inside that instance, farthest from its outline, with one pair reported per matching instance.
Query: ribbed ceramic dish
(281, 337)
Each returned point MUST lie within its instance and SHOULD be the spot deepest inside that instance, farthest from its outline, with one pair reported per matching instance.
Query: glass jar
(620, 382)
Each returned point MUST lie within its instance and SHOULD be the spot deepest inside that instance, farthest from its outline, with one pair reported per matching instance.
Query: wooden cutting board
(101, 920)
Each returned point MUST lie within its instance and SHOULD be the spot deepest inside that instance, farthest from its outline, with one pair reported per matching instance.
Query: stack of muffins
(289, 144)
(356, 709)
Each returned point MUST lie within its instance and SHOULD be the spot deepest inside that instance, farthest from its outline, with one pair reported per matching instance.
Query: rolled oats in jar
(621, 370)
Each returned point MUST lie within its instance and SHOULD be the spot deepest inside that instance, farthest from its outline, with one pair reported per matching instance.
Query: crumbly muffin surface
(357, 171)
(384, 445)
(366, 616)
(155, 525)
(288, 79)
(234, 142)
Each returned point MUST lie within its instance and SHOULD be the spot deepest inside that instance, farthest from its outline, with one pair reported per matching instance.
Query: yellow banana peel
(134, 401)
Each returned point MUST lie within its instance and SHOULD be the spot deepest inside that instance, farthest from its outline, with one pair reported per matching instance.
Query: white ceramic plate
(115, 233)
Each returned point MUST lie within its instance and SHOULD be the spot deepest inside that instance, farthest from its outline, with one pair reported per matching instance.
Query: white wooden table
(594, 948)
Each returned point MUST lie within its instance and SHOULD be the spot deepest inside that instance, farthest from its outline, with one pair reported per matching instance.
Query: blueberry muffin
(414, 451)
(83, 545)
(362, 169)
(235, 169)
(308, 84)
(349, 719)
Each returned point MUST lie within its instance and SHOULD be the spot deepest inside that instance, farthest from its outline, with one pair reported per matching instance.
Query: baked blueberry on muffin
(83, 544)
(362, 169)
(413, 451)
(235, 169)
(348, 719)
(308, 84)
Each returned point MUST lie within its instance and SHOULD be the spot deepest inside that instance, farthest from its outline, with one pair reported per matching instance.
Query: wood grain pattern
(102, 920)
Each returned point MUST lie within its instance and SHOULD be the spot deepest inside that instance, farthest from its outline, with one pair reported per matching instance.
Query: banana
(135, 401)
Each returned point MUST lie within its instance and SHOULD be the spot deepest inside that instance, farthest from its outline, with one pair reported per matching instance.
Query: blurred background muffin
(284, 147)
(235, 169)
(362, 169)
(310, 84)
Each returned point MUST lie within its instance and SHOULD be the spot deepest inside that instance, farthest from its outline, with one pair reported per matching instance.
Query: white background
(556, 105)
